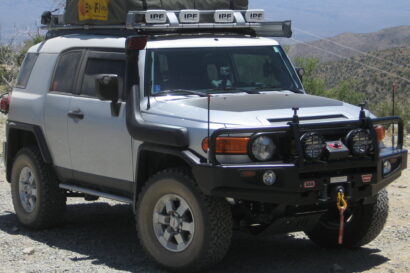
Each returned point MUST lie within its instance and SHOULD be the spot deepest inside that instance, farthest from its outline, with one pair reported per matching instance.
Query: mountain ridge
(346, 45)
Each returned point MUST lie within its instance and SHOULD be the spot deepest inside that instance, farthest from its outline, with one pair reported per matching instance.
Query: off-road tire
(213, 223)
(51, 201)
(367, 223)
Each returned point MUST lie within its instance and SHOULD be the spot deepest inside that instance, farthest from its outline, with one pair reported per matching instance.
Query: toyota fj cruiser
(203, 127)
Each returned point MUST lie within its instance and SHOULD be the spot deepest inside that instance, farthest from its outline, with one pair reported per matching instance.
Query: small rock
(14, 229)
(402, 187)
(28, 251)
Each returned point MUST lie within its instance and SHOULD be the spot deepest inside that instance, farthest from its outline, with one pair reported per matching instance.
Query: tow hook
(342, 207)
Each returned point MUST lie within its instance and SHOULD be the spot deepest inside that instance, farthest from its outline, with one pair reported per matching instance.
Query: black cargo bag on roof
(113, 12)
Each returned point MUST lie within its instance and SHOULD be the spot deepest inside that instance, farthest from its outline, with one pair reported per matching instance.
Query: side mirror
(107, 87)
(301, 73)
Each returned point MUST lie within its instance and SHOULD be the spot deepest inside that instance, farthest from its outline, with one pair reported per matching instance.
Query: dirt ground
(100, 237)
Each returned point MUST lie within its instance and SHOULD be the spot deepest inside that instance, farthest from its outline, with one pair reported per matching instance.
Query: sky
(324, 18)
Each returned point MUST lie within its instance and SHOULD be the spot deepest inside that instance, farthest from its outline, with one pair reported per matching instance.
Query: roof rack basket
(153, 22)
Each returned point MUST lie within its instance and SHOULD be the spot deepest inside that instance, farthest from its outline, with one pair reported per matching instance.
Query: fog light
(269, 178)
(387, 167)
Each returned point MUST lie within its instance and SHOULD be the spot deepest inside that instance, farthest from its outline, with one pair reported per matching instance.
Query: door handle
(76, 114)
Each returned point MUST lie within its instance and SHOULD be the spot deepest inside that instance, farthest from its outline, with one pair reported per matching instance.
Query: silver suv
(203, 128)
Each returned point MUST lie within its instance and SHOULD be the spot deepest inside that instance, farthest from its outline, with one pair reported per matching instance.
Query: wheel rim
(174, 224)
(27, 189)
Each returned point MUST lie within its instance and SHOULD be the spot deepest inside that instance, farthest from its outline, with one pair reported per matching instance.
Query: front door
(100, 145)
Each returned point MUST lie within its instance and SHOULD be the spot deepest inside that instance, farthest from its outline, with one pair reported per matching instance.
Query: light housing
(269, 178)
(156, 16)
(228, 145)
(189, 16)
(313, 146)
(5, 103)
(359, 142)
(262, 148)
(387, 167)
(224, 16)
(380, 132)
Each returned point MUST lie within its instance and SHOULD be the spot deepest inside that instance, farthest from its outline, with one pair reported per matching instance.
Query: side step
(96, 193)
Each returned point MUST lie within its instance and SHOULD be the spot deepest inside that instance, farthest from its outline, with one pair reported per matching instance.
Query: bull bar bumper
(228, 180)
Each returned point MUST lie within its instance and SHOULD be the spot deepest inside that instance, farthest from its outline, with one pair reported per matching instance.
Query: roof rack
(152, 22)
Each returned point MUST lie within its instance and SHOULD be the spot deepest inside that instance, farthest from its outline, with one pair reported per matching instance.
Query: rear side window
(97, 66)
(26, 68)
(66, 71)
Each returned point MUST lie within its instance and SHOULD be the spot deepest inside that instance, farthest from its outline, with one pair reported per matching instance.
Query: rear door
(100, 145)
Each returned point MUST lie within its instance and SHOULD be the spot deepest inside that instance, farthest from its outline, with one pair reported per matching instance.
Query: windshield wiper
(278, 88)
(181, 91)
(227, 89)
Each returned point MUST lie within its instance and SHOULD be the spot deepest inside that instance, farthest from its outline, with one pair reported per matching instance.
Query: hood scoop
(310, 118)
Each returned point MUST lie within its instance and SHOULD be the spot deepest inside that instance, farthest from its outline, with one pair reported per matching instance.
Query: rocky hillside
(339, 45)
(367, 73)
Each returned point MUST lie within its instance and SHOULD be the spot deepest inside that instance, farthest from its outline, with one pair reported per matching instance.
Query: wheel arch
(153, 158)
(20, 135)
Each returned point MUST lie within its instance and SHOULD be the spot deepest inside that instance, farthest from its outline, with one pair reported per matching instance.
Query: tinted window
(100, 66)
(214, 70)
(26, 68)
(66, 72)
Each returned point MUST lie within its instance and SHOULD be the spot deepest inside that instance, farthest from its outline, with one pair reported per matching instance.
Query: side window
(26, 68)
(66, 71)
(97, 66)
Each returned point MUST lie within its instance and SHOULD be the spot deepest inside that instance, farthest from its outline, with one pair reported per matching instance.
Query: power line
(348, 47)
(346, 58)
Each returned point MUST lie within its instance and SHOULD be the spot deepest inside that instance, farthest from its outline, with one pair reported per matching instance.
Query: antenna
(149, 97)
(209, 122)
(393, 89)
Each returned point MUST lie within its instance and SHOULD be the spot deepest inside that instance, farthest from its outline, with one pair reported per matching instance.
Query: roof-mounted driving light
(255, 16)
(156, 17)
(189, 16)
(224, 16)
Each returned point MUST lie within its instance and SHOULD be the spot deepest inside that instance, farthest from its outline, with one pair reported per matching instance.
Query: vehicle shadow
(106, 235)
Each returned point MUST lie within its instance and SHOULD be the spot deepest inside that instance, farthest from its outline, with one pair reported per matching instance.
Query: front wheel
(178, 226)
(363, 223)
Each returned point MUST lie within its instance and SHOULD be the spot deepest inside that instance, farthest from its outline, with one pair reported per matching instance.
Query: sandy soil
(100, 237)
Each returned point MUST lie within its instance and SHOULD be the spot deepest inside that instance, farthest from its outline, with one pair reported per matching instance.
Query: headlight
(313, 145)
(360, 142)
(262, 148)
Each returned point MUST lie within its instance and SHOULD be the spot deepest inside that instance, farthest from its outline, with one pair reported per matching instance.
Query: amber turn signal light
(228, 145)
(380, 132)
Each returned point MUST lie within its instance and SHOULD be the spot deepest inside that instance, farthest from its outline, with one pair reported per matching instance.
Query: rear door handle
(76, 114)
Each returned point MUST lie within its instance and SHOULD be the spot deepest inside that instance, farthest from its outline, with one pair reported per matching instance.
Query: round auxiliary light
(269, 178)
(360, 142)
(313, 145)
(262, 148)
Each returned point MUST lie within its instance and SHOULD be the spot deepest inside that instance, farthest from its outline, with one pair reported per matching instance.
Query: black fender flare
(189, 157)
(11, 147)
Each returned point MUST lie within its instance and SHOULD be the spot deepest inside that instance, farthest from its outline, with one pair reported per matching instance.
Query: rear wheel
(179, 227)
(37, 200)
(364, 222)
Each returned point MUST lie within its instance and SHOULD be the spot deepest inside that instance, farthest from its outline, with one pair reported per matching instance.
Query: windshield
(216, 70)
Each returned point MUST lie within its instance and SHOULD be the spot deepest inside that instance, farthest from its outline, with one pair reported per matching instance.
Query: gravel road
(100, 237)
